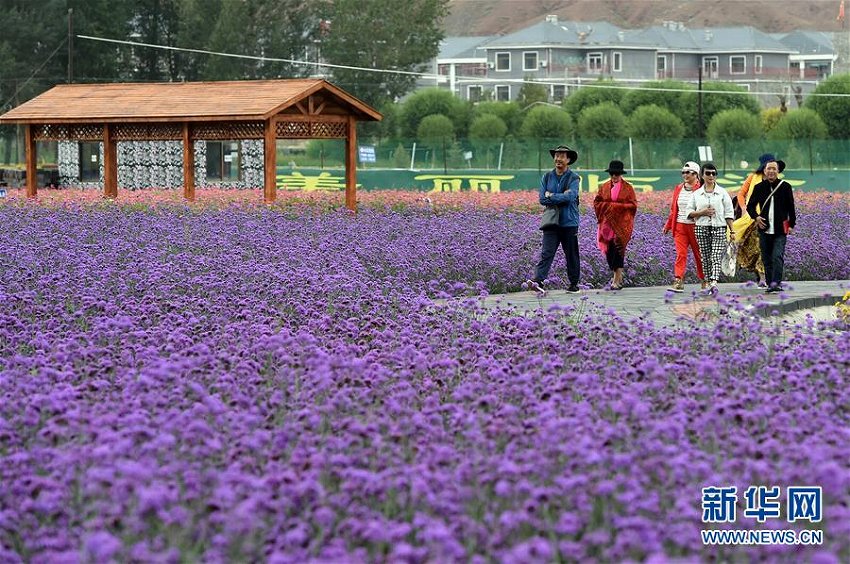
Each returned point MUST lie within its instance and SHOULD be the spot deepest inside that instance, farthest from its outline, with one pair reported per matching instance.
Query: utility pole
(70, 44)
(699, 103)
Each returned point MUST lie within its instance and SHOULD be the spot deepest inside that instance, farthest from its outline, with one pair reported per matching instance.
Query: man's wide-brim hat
(571, 155)
(615, 167)
(769, 158)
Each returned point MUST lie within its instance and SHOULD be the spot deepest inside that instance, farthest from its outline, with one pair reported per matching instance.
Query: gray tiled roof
(464, 47)
(807, 42)
(662, 37)
(710, 39)
(547, 33)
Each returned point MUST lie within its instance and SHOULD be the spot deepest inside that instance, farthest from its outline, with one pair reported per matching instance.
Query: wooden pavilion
(191, 111)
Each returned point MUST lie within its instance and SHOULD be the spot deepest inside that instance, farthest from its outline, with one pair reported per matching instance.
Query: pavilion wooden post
(351, 164)
(188, 164)
(110, 164)
(270, 160)
(32, 172)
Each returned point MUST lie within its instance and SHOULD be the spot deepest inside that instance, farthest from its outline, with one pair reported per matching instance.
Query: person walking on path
(559, 187)
(746, 233)
(615, 206)
(682, 227)
(772, 208)
(711, 208)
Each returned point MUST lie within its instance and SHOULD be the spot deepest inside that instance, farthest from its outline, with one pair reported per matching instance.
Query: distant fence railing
(799, 155)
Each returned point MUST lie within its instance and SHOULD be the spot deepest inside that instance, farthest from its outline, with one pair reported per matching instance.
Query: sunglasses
(688, 172)
(710, 173)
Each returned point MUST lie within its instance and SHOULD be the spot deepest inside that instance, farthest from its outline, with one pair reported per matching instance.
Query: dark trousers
(614, 256)
(566, 237)
(773, 256)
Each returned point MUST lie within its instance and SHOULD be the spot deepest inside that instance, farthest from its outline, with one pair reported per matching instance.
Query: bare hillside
(493, 17)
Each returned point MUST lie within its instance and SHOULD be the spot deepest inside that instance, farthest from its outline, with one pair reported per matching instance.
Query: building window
(661, 66)
(559, 91)
(474, 93)
(471, 69)
(737, 64)
(503, 61)
(529, 61)
(594, 63)
(757, 66)
(90, 161)
(503, 93)
(617, 61)
(710, 66)
(223, 160)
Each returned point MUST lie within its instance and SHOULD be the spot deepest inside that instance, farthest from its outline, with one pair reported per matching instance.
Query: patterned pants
(712, 247)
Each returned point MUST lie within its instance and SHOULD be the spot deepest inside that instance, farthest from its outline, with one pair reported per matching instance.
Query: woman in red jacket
(615, 205)
(682, 227)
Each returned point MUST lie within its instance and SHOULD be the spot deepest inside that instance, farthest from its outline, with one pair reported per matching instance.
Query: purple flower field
(253, 384)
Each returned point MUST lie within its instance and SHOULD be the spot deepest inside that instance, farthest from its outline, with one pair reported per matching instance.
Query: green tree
(653, 122)
(770, 117)
(34, 51)
(602, 121)
(234, 33)
(401, 157)
(430, 101)
(437, 132)
(660, 128)
(531, 93)
(283, 32)
(802, 124)
(509, 112)
(717, 97)
(665, 94)
(597, 126)
(197, 21)
(387, 128)
(156, 22)
(592, 95)
(94, 61)
(730, 125)
(833, 110)
(730, 129)
(407, 37)
(486, 132)
(802, 127)
(547, 123)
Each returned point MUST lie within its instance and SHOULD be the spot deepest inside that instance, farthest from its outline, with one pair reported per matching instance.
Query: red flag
(841, 13)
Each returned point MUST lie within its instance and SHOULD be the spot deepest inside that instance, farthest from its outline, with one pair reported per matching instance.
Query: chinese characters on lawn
(488, 183)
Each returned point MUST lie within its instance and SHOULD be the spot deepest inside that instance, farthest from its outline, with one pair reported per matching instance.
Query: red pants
(684, 237)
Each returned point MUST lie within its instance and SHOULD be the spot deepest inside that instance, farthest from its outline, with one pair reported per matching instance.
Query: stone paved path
(816, 298)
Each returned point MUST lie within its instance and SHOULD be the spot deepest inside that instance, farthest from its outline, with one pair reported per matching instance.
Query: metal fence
(513, 154)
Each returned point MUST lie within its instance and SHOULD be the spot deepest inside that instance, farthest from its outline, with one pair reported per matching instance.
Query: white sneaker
(536, 286)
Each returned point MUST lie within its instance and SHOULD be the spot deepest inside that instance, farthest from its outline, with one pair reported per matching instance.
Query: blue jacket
(564, 190)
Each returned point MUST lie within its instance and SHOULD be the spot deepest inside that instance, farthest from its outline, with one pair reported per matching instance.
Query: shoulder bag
(786, 225)
(551, 218)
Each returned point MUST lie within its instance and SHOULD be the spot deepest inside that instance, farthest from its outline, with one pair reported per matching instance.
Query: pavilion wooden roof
(187, 102)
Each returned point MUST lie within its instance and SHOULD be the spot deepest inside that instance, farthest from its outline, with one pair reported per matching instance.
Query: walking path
(815, 298)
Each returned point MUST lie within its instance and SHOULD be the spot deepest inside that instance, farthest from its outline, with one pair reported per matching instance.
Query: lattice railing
(66, 132)
(311, 129)
(202, 131)
(147, 131)
(228, 130)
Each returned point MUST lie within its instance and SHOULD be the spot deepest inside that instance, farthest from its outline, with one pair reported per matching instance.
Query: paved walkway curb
(667, 308)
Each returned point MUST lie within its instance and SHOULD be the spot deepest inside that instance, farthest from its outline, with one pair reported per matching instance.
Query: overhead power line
(249, 57)
(432, 76)
(36, 71)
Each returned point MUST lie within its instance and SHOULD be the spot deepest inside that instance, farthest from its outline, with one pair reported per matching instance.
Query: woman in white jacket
(711, 209)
